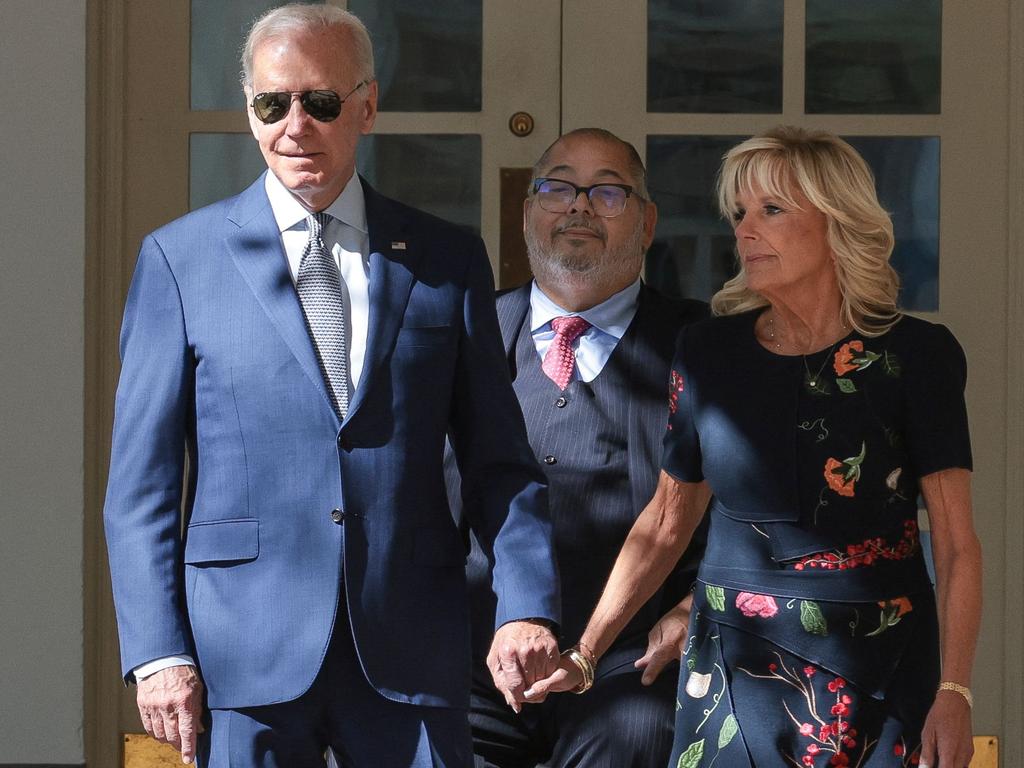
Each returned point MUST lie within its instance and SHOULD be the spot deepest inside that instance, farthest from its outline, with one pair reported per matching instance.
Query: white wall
(42, 247)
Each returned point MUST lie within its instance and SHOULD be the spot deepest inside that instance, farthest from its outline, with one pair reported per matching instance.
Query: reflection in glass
(874, 56)
(722, 56)
(906, 172)
(218, 32)
(437, 173)
(692, 254)
(221, 165)
(428, 55)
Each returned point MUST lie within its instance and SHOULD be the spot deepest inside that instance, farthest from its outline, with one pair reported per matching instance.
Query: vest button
(561, 402)
(549, 460)
(337, 516)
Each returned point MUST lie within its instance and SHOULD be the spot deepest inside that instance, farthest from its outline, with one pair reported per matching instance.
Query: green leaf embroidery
(888, 617)
(855, 461)
(716, 596)
(690, 664)
(846, 386)
(812, 618)
(891, 364)
(864, 361)
(691, 757)
(729, 728)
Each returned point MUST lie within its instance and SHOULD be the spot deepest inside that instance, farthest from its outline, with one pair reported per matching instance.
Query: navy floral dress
(814, 639)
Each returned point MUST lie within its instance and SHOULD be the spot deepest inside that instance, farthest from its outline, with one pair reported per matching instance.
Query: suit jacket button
(337, 515)
(561, 402)
(549, 460)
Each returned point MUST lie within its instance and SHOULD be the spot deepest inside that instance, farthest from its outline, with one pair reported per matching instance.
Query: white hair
(297, 18)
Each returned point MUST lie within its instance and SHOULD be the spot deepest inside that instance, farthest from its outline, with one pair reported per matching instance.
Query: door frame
(1013, 576)
(107, 272)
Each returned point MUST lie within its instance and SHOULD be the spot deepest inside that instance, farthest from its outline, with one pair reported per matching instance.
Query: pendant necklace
(814, 382)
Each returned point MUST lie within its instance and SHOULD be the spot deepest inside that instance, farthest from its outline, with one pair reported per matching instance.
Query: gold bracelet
(963, 690)
(589, 651)
(585, 667)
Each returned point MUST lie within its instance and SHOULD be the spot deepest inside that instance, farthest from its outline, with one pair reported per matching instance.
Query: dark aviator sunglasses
(323, 106)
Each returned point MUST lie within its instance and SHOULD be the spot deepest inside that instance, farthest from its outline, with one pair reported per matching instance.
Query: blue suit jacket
(216, 359)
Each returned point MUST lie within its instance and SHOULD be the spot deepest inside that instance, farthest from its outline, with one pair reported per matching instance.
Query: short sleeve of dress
(681, 456)
(935, 375)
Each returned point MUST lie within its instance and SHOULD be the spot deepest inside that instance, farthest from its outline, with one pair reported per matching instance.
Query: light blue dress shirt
(608, 323)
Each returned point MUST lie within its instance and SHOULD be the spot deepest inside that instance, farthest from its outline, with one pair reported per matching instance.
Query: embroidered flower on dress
(844, 356)
(675, 386)
(841, 475)
(756, 605)
(852, 357)
(868, 552)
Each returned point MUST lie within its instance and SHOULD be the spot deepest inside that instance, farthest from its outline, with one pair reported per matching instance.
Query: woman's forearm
(650, 552)
(957, 555)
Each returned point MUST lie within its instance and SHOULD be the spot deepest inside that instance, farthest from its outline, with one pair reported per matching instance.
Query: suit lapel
(645, 431)
(259, 255)
(513, 308)
(394, 254)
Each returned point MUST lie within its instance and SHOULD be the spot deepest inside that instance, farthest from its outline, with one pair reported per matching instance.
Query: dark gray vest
(580, 436)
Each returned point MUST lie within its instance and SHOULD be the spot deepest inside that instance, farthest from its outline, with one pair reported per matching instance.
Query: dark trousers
(341, 711)
(619, 723)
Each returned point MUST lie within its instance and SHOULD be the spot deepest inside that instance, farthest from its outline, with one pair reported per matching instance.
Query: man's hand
(522, 653)
(665, 641)
(170, 703)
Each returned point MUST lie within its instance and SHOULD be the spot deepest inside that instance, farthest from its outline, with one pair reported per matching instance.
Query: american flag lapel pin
(398, 245)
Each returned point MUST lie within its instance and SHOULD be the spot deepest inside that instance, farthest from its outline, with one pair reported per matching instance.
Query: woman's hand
(665, 641)
(567, 677)
(947, 738)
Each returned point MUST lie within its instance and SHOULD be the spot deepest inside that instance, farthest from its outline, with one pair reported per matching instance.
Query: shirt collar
(349, 206)
(612, 316)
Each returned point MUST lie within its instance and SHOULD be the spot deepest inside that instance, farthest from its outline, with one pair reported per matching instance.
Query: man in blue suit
(308, 345)
(596, 420)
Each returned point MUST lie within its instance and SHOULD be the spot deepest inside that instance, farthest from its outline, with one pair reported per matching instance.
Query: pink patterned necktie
(559, 360)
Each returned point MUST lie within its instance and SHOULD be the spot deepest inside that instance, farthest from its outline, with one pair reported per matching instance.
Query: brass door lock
(521, 124)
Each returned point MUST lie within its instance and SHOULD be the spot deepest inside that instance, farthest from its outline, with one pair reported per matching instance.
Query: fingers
(188, 733)
(560, 680)
(946, 738)
(513, 677)
(170, 706)
(522, 653)
(653, 662)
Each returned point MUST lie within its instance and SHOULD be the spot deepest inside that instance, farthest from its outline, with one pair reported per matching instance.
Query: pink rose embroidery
(756, 605)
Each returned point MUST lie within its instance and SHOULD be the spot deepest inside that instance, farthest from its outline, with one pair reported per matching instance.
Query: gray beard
(567, 266)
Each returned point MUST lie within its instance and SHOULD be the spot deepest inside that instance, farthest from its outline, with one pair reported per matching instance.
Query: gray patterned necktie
(319, 287)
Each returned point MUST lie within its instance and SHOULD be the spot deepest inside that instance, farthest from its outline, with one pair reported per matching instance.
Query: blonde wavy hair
(836, 180)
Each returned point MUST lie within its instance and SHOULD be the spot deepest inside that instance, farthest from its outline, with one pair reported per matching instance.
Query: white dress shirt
(347, 237)
(608, 323)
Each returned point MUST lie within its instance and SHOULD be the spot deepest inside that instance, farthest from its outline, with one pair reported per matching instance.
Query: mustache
(579, 222)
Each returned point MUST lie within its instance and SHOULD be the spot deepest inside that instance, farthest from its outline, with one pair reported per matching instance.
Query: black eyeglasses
(558, 196)
(324, 106)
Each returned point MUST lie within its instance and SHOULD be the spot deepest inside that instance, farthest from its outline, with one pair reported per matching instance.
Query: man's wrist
(150, 668)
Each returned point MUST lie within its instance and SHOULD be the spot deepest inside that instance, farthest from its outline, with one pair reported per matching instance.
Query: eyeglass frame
(302, 94)
(627, 188)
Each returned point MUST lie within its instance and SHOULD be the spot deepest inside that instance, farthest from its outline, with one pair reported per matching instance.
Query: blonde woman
(817, 413)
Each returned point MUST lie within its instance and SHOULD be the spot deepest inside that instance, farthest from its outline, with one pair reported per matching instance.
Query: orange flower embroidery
(891, 613)
(837, 480)
(901, 605)
(841, 475)
(845, 356)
